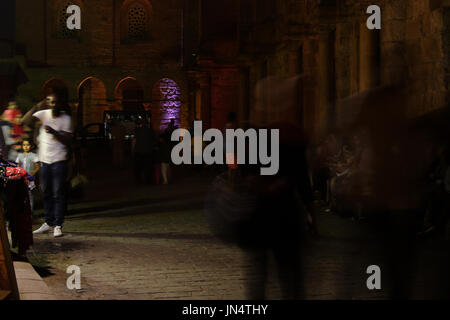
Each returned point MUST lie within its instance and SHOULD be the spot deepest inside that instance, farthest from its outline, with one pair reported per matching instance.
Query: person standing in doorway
(55, 138)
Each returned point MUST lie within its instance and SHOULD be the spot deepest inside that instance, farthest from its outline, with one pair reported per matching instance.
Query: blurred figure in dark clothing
(118, 133)
(4, 134)
(267, 215)
(164, 150)
(231, 157)
(10, 144)
(169, 130)
(156, 159)
(142, 149)
(437, 206)
(396, 174)
(283, 200)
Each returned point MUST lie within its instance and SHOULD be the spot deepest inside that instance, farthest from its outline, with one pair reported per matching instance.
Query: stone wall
(100, 51)
(425, 58)
(99, 41)
(73, 77)
(325, 43)
(411, 51)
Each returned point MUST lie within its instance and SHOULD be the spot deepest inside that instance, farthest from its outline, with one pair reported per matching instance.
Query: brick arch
(129, 94)
(135, 20)
(48, 87)
(166, 103)
(92, 100)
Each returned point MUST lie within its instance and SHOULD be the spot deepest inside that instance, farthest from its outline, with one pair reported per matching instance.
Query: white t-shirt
(50, 149)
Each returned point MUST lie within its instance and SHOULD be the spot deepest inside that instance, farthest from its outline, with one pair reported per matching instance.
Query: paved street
(153, 242)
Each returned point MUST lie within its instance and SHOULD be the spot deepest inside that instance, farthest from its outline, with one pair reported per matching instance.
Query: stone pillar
(369, 62)
(393, 51)
(311, 89)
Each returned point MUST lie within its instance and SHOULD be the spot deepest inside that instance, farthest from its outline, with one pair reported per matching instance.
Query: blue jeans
(53, 185)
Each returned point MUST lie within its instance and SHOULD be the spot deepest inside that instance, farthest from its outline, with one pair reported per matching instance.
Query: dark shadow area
(172, 236)
(44, 272)
(52, 246)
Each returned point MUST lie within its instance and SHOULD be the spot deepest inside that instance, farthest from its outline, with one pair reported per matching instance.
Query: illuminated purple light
(170, 102)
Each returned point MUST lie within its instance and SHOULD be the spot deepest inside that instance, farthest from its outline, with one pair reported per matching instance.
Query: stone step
(31, 286)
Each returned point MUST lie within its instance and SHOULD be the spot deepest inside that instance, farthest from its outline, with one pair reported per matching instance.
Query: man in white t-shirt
(55, 136)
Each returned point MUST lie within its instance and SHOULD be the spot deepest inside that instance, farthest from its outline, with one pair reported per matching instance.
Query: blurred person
(197, 153)
(13, 115)
(142, 150)
(29, 161)
(438, 205)
(396, 173)
(164, 150)
(156, 159)
(18, 130)
(319, 173)
(7, 141)
(169, 130)
(55, 138)
(2, 144)
(231, 157)
(285, 202)
(267, 215)
(264, 216)
(118, 133)
(14, 150)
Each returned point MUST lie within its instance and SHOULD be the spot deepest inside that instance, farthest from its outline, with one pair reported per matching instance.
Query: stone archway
(49, 86)
(129, 95)
(92, 101)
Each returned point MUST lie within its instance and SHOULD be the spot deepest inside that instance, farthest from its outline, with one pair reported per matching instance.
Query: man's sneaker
(43, 229)
(57, 232)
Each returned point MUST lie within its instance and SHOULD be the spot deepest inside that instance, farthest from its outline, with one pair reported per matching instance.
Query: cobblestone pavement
(161, 248)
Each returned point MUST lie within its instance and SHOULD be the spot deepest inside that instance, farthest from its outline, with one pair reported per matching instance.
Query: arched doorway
(130, 95)
(92, 101)
(166, 103)
(50, 86)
